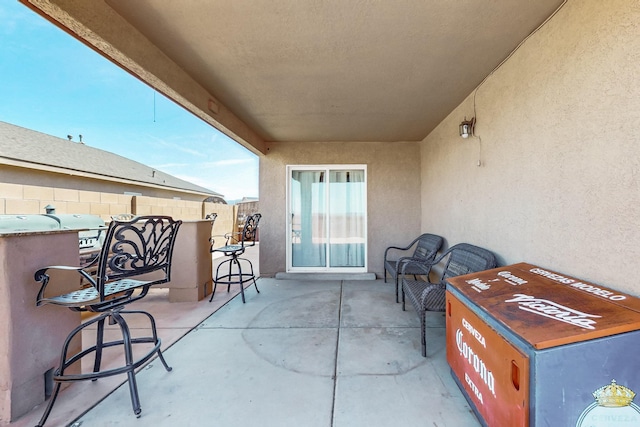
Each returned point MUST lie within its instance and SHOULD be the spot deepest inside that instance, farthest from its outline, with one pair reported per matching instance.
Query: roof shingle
(39, 149)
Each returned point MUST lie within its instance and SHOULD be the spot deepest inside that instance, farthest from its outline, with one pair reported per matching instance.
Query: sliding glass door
(327, 218)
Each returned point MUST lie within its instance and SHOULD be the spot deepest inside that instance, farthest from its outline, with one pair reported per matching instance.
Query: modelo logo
(578, 285)
(555, 311)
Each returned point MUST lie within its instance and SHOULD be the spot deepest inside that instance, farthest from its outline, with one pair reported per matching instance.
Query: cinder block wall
(17, 199)
(182, 209)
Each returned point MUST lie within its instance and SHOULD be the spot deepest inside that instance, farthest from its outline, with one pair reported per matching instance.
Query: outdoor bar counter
(30, 336)
(532, 347)
(191, 263)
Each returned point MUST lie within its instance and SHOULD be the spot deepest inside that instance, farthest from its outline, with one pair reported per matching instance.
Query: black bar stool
(136, 255)
(233, 251)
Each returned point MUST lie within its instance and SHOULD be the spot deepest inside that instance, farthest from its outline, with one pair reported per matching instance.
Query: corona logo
(512, 278)
(478, 365)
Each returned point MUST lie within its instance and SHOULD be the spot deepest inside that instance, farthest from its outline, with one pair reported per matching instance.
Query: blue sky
(52, 83)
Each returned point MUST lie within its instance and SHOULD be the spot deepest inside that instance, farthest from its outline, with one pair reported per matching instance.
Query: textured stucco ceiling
(336, 70)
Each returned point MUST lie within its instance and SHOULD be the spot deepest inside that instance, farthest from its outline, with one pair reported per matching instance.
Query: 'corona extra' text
(473, 388)
(473, 331)
(475, 362)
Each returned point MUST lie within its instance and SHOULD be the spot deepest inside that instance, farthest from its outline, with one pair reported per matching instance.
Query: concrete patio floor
(327, 353)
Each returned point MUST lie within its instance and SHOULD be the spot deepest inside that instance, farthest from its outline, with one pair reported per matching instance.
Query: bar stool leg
(154, 335)
(216, 280)
(59, 372)
(252, 274)
(229, 277)
(99, 341)
(230, 273)
(235, 259)
(215, 285)
(128, 355)
(47, 411)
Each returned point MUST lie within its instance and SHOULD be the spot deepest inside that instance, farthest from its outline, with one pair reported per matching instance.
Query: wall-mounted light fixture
(466, 127)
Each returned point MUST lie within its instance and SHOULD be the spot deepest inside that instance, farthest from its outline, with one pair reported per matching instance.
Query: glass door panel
(308, 225)
(326, 218)
(347, 231)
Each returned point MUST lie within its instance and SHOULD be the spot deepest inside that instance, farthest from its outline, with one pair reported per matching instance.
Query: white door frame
(288, 226)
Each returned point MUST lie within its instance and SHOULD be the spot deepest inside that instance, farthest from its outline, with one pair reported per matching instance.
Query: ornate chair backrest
(137, 247)
(250, 229)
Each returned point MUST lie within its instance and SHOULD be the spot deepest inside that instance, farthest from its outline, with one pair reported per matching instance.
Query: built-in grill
(90, 227)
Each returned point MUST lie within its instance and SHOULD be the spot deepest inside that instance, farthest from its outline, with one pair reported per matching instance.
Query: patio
(302, 352)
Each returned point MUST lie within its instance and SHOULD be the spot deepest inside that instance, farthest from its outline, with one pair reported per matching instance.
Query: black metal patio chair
(462, 258)
(135, 255)
(247, 237)
(426, 249)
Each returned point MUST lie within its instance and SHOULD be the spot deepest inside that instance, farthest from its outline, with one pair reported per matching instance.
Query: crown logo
(614, 395)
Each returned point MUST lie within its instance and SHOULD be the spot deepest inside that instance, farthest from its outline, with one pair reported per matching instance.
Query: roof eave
(72, 172)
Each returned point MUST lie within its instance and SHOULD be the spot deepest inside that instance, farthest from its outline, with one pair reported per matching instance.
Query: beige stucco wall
(393, 171)
(30, 336)
(560, 150)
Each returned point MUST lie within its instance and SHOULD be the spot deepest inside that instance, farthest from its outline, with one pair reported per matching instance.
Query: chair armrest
(399, 248)
(42, 277)
(400, 262)
(433, 297)
(229, 236)
(419, 264)
(435, 261)
(411, 259)
(212, 239)
(424, 265)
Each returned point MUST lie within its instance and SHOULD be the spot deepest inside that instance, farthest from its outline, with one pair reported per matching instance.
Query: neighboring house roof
(28, 148)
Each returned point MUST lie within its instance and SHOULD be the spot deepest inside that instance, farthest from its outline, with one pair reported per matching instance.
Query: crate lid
(546, 308)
